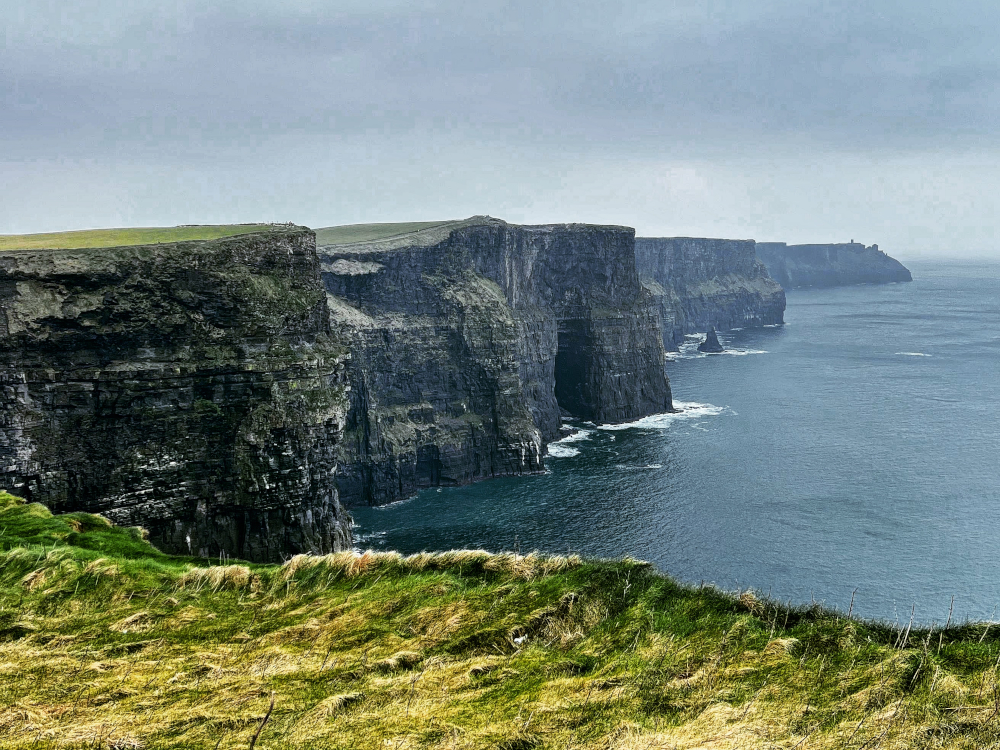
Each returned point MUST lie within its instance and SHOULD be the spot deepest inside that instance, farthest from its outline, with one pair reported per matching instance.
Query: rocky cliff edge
(190, 388)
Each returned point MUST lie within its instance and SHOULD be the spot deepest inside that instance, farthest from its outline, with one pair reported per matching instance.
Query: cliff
(469, 338)
(829, 265)
(703, 283)
(191, 388)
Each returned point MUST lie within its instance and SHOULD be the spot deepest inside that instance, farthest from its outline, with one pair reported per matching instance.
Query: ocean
(853, 453)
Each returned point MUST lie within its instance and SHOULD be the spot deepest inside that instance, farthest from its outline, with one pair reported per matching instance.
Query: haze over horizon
(782, 121)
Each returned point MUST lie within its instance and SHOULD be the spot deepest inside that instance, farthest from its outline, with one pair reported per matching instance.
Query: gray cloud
(399, 109)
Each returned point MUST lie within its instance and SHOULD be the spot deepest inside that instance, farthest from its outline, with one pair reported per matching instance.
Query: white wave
(913, 354)
(366, 541)
(690, 351)
(575, 437)
(626, 467)
(561, 448)
(562, 451)
(685, 410)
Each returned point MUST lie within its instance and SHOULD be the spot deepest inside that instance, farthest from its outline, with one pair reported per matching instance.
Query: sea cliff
(795, 266)
(700, 283)
(191, 388)
(470, 339)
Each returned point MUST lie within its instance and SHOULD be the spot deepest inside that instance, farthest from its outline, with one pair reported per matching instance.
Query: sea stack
(711, 343)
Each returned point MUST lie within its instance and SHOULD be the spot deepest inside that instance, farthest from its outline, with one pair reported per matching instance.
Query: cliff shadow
(571, 370)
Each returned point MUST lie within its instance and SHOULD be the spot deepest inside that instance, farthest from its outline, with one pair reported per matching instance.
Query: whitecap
(690, 351)
(913, 354)
(561, 448)
(562, 451)
(685, 410)
(574, 437)
(646, 467)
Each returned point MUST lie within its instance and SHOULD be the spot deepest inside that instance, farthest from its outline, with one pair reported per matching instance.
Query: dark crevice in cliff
(571, 371)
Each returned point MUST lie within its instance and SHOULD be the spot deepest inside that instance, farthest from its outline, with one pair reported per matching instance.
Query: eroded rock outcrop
(711, 344)
(190, 388)
(469, 338)
(702, 283)
(795, 266)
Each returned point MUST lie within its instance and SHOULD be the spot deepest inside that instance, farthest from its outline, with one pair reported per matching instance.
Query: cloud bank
(798, 121)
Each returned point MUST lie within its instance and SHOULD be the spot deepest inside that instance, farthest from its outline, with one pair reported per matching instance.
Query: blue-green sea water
(854, 449)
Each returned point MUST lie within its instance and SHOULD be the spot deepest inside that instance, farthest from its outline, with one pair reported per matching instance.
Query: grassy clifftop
(351, 233)
(88, 238)
(105, 642)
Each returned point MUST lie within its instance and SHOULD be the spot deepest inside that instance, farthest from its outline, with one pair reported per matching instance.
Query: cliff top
(383, 237)
(695, 239)
(107, 642)
(816, 246)
(127, 237)
(349, 234)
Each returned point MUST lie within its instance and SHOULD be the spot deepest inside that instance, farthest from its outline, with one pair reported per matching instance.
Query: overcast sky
(775, 120)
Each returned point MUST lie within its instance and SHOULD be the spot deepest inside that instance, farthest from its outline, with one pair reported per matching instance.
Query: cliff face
(701, 283)
(829, 265)
(468, 339)
(190, 388)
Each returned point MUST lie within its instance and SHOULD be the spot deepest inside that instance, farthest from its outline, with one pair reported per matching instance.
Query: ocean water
(853, 451)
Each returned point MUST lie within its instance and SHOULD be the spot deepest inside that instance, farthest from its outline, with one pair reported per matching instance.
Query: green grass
(88, 238)
(350, 233)
(106, 643)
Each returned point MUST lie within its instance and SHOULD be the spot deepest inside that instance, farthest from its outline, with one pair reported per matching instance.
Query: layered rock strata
(190, 388)
(468, 340)
(702, 283)
(795, 266)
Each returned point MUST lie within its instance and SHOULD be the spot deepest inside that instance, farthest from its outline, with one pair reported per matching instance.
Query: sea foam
(561, 448)
(689, 349)
(685, 410)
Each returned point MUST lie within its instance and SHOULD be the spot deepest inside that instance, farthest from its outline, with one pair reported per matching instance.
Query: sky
(797, 121)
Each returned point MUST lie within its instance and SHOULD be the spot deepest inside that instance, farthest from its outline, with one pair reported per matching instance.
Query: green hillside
(106, 643)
